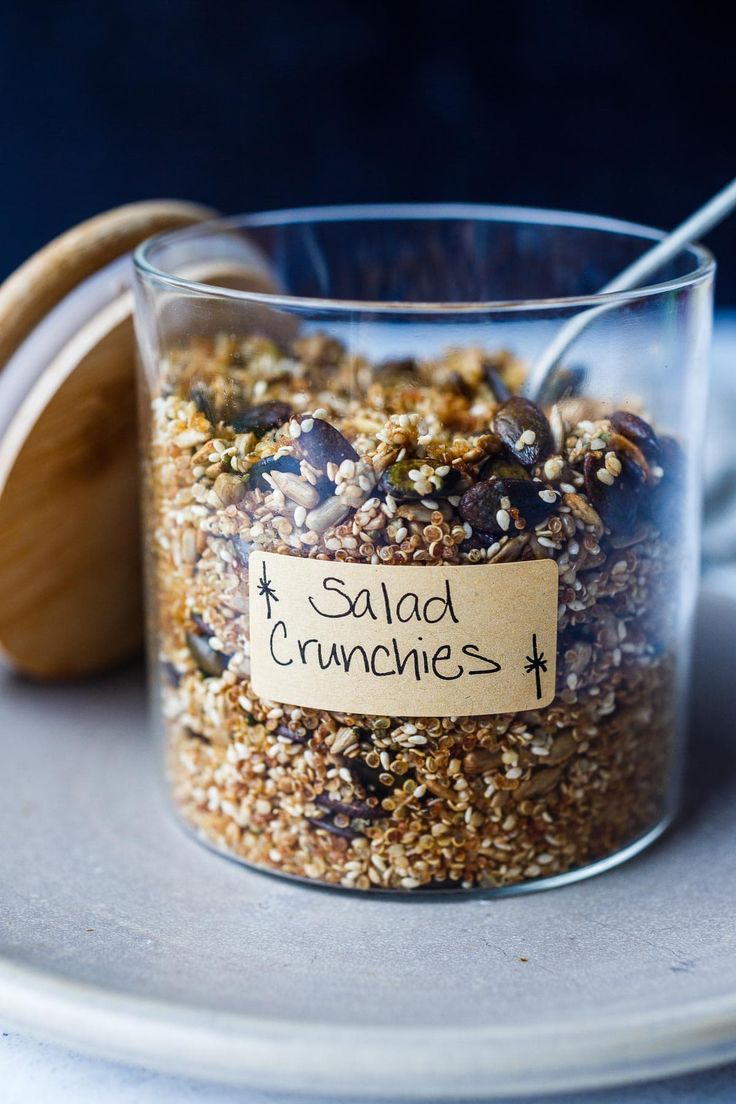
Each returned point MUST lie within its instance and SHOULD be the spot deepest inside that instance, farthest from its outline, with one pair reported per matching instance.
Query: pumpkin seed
(327, 824)
(631, 457)
(412, 480)
(502, 467)
(318, 350)
(637, 430)
(616, 501)
(498, 506)
(664, 504)
(285, 463)
(566, 382)
(319, 442)
(480, 760)
(261, 418)
(400, 371)
(524, 430)
(169, 673)
(498, 388)
(370, 778)
(352, 809)
(194, 735)
(563, 747)
(540, 783)
(288, 734)
(241, 548)
(209, 661)
(202, 398)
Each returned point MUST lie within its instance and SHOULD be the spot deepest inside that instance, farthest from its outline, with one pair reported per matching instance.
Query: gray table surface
(33, 1071)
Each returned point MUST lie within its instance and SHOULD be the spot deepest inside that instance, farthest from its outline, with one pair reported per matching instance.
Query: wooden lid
(70, 593)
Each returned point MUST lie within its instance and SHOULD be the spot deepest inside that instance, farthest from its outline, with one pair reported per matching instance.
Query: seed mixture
(308, 451)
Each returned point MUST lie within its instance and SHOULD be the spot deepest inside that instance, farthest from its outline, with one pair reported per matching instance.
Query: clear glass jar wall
(345, 390)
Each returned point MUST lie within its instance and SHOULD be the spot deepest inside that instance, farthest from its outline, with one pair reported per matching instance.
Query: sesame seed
(605, 477)
(528, 437)
(613, 464)
(503, 519)
(553, 468)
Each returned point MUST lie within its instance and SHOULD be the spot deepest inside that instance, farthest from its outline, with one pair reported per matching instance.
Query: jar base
(533, 885)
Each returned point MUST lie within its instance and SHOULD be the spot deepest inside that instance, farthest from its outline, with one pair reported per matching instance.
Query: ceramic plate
(119, 935)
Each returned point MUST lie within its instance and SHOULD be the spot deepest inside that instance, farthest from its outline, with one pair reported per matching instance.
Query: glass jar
(331, 397)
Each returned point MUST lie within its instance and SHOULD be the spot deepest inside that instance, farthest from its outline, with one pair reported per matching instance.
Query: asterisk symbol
(536, 663)
(266, 590)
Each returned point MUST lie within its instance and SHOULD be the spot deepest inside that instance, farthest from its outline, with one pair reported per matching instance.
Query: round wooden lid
(70, 592)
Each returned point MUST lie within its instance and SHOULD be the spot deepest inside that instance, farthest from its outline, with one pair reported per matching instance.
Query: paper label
(403, 641)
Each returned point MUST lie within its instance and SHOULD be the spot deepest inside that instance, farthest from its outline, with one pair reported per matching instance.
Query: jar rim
(704, 263)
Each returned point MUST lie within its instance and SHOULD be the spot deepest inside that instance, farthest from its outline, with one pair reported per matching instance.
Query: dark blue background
(624, 109)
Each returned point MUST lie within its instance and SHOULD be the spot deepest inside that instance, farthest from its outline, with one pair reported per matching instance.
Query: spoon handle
(635, 274)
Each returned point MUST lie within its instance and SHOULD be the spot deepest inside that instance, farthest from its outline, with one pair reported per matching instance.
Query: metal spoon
(634, 275)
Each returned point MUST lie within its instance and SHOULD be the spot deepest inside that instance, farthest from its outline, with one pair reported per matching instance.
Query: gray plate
(121, 936)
